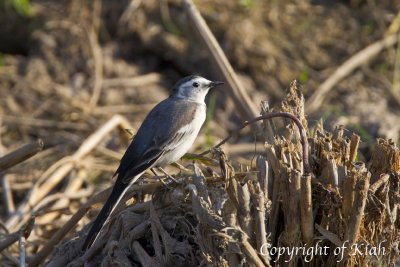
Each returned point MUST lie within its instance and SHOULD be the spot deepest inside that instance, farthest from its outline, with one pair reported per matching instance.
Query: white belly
(180, 148)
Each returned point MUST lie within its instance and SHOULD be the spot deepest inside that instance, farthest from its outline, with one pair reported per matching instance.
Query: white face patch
(199, 80)
(195, 89)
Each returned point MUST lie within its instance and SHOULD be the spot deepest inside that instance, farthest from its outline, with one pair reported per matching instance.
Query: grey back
(153, 135)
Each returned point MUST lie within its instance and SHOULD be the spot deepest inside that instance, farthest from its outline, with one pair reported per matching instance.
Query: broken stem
(304, 142)
(302, 131)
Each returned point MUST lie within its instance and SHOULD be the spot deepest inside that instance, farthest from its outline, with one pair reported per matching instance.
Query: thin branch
(394, 26)
(56, 237)
(329, 235)
(92, 33)
(9, 240)
(30, 121)
(40, 191)
(7, 194)
(20, 155)
(316, 100)
(384, 177)
(100, 197)
(22, 251)
(12, 238)
(355, 140)
(235, 89)
(144, 258)
(304, 142)
(306, 209)
(302, 131)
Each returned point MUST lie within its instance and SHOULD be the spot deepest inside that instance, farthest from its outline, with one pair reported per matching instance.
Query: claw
(170, 177)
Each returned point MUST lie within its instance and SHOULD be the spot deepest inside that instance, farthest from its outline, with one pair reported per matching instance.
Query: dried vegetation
(87, 62)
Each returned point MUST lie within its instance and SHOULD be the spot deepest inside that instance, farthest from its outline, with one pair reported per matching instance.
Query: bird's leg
(161, 179)
(169, 176)
(153, 171)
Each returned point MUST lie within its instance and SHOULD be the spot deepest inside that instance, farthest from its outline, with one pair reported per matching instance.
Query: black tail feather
(105, 212)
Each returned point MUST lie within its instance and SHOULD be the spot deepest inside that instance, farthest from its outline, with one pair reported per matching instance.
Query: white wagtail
(166, 134)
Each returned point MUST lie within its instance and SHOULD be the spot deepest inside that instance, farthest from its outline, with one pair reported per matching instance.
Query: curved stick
(303, 135)
(304, 142)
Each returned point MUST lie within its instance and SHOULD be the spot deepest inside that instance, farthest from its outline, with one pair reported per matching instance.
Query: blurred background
(68, 66)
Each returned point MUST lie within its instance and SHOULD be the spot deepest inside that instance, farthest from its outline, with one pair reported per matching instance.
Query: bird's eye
(195, 84)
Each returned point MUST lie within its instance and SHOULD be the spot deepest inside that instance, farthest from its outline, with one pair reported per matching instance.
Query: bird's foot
(170, 177)
(175, 181)
(163, 182)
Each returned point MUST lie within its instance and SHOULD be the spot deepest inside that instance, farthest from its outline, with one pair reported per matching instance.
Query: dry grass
(87, 62)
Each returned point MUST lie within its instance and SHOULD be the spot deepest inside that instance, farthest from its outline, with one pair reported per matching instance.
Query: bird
(166, 134)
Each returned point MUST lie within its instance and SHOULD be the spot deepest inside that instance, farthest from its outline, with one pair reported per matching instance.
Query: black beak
(215, 83)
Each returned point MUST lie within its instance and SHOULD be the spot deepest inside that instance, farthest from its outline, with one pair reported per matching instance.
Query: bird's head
(193, 88)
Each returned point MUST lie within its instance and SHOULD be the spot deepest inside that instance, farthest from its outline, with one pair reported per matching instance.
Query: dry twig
(39, 191)
(306, 210)
(317, 98)
(20, 155)
(217, 56)
(92, 33)
(7, 193)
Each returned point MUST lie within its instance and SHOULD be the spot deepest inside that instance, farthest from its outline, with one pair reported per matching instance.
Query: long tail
(112, 201)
